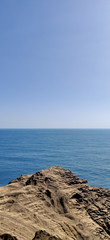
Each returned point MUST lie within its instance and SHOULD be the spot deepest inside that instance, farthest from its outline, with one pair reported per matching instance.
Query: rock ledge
(54, 204)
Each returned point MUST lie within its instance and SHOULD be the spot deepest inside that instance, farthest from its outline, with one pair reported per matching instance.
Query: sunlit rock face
(53, 204)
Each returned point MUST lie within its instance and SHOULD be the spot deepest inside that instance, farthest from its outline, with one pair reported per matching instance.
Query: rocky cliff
(54, 204)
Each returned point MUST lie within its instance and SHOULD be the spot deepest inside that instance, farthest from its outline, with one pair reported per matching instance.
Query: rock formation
(54, 204)
(7, 237)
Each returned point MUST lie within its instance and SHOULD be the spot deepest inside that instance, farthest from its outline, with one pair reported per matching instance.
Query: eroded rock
(43, 235)
(6, 236)
(58, 202)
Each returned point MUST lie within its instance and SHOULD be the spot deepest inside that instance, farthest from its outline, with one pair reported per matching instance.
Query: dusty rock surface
(54, 204)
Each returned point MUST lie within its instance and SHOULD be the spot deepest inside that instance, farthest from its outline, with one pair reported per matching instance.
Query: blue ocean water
(85, 152)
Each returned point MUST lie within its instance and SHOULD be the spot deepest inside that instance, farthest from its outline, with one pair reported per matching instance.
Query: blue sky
(54, 64)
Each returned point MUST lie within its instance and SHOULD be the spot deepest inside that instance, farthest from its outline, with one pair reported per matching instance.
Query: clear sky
(55, 64)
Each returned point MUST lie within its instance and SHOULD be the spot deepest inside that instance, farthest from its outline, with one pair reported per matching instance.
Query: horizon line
(22, 128)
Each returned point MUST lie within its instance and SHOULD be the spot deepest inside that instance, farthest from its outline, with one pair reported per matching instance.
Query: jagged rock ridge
(54, 204)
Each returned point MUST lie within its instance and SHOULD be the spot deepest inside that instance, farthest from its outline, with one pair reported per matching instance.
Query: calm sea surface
(84, 152)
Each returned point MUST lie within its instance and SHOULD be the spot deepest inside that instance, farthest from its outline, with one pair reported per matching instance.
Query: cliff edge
(54, 204)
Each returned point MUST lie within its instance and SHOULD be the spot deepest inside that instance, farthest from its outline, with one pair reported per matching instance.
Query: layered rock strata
(54, 204)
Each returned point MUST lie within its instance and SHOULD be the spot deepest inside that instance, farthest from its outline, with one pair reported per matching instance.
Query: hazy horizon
(71, 128)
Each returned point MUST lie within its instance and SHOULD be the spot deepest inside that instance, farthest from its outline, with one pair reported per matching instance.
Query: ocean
(86, 152)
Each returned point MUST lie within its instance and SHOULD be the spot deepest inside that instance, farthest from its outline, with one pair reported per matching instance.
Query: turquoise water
(85, 152)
